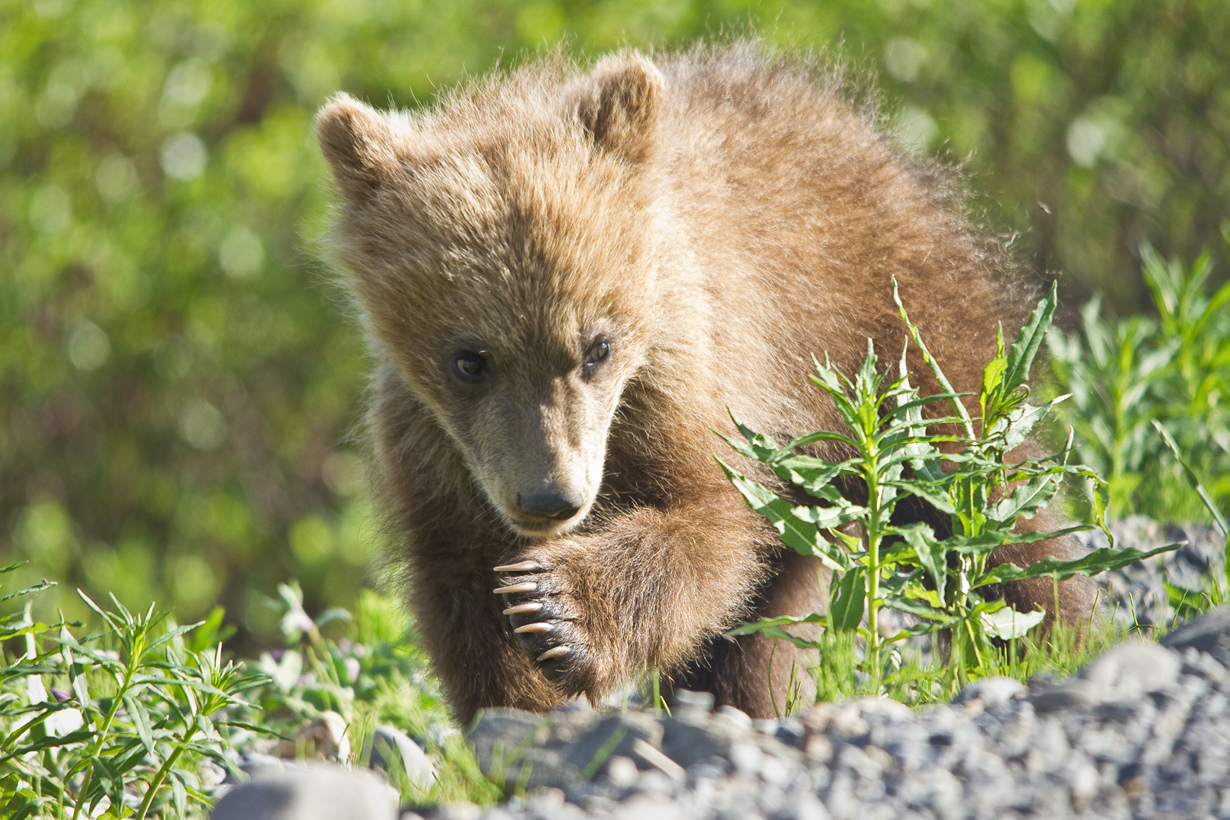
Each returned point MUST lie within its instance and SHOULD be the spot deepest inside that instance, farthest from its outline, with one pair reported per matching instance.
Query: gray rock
(613, 735)
(687, 741)
(686, 703)
(1069, 695)
(1209, 634)
(1121, 674)
(1130, 670)
(310, 792)
(401, 759)
(1137, 593)
(501, 738)
(994, 691)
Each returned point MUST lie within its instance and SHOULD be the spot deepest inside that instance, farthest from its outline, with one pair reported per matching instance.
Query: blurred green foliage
(1124, 376)
(178, 376)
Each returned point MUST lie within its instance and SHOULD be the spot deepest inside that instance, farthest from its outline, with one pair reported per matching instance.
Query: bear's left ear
(620, 103)
(358, 144)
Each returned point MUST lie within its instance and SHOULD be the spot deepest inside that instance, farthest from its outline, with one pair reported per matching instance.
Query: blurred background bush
(178, 377)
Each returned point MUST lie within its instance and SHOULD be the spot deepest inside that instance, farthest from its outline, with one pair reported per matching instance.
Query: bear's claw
(516, 589)
(554, 652)
(521, 566)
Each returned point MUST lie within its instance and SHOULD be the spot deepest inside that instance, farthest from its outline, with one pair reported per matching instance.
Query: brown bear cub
(568, 278)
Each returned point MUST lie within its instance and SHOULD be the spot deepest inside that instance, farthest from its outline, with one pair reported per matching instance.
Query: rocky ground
(1143, 731)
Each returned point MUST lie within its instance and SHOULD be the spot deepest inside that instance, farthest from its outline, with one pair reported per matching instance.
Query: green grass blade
(1194, 480)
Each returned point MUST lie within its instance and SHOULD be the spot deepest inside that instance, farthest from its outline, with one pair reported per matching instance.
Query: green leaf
(798, 534)
(1105, 559)
(1021, 421)
(814, 475)
(931, 553)
(13, 750)
(29, 590)
(799, 527)
(992, 539)
(1025, 348)
(846, 601)
(992, 378)
(139, 718)
(774, 628)
(957, 406)
(918, 608)
(1025, 500)
(757, 446)
(936, 496)
(105, 782)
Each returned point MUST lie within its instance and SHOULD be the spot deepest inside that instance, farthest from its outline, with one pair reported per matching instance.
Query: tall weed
(897, 453)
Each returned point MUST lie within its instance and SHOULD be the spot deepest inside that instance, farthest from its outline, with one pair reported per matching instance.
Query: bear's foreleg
(478, 661)
(645, 592)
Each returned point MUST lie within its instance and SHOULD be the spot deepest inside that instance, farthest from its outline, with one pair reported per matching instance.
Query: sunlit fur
(722, 217)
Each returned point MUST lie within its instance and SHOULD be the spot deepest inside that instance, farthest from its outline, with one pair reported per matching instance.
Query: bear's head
(501, 248)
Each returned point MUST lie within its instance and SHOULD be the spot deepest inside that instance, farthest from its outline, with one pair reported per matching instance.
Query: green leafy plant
(957, 464)
(365, 667)
(1124, 374)
(139, 712)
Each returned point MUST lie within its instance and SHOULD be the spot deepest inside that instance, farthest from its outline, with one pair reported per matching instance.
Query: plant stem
(156, 782)
(874, 537)
(116, 700)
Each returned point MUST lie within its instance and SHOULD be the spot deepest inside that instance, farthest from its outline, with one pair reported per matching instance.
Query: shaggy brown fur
(568, 278)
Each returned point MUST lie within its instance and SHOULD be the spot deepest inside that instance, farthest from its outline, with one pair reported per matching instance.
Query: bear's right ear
(620, 103)
(357, 143)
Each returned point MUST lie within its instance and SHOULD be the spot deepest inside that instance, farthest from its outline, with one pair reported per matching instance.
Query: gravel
(1142, 732)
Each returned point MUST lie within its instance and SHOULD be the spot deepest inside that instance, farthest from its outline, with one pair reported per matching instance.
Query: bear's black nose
(549, 504)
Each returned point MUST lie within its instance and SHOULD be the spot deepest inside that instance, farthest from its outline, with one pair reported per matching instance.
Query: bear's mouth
(536, 527)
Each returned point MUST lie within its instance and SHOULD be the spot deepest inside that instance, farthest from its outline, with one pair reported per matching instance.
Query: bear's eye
(598, 353)
(470, 367)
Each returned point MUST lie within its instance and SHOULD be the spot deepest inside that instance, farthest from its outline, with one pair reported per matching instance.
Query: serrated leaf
(992, 379)
(993, 539)
(13, 750)
(774, 628)
(28, 590)
(104, 782)
(813, 475)
(931, 553)
(798, 534)
(1101, 560)
(1025, 348)
(918, 608)
(1025, 500)
(172, 634)
(820, 435)
(77, 679)
(846, 601)
(757, 446)
(937, 497)
(799, 527)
